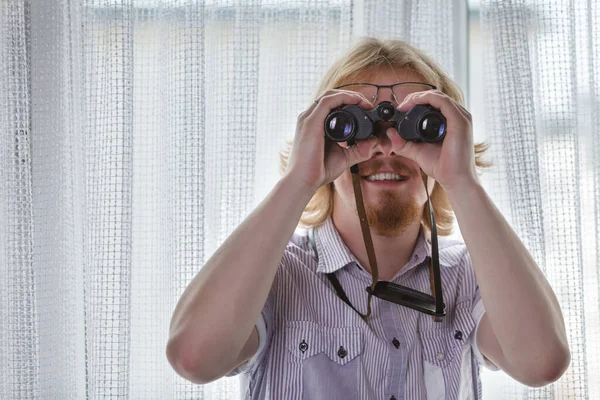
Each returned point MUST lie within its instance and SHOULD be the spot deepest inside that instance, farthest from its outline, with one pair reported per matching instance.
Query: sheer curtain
(134, 136)
(541, 79)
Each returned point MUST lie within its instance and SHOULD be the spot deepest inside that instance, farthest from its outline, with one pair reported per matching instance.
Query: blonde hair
(366, 56)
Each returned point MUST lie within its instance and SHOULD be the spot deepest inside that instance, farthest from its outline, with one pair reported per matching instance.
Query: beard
(391, 215)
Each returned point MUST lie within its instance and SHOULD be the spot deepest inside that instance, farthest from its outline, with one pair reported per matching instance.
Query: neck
(392, 253)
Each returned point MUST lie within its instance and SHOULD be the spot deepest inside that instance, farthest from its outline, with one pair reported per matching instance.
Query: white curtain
(134, 136)
(542, 102)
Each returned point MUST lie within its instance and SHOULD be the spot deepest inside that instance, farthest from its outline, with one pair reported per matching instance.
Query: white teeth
(385, 176)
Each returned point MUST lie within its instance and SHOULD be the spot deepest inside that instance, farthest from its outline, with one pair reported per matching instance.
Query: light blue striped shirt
(314, 346)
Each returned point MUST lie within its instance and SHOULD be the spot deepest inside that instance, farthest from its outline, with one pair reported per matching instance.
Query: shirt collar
(333, 254)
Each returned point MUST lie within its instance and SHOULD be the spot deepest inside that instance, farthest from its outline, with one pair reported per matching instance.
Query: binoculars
(422, 123)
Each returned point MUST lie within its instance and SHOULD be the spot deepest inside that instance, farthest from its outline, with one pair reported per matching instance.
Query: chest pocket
(442, 350)
(327, 359)
(441, 346)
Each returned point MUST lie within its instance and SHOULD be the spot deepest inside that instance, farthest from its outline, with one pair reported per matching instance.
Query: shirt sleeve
(262, 344)
(264, 326)
(478, 312)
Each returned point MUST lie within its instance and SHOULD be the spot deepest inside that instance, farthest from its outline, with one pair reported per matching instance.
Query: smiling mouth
(386, 177)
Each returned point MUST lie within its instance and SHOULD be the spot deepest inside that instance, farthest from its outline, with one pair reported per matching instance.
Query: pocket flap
(305, 339)
(345, 345)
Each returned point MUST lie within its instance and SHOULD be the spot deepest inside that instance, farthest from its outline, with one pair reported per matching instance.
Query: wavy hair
(363, 59)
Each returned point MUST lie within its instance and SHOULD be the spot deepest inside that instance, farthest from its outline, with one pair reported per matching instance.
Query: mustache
(370, 167)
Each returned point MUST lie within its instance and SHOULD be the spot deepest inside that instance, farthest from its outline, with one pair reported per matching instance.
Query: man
(264, 306)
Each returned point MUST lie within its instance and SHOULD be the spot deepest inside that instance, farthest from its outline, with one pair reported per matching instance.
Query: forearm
(218, 310)
(523, 310)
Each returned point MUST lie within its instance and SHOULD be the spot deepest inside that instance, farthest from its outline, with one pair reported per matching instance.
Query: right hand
(316, 160)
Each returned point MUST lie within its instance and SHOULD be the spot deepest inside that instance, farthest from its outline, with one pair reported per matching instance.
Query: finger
(403, 147)
(332, 92)
(337, 99)
(464, 111)
(438, 100)
(310, 109)
(361, 151)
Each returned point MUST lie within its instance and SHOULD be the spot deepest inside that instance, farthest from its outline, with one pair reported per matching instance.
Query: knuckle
(332, 92)
(310, 122)
(326, 97)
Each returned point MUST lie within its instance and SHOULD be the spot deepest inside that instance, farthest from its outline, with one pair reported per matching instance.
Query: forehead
(386, 76)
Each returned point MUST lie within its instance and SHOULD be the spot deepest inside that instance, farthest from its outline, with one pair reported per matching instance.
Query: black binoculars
(422, 123)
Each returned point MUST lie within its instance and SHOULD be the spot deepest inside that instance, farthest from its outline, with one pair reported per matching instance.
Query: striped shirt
(314, 346)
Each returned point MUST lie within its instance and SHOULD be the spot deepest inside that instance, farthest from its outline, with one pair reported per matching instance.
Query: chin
(392, 214)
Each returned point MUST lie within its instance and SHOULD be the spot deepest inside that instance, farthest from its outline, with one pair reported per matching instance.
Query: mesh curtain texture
(542, 102)
(135, 136)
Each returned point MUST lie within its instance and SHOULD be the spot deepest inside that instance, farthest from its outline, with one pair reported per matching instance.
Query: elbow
(550, 370)
(187, 363)
(556, 369)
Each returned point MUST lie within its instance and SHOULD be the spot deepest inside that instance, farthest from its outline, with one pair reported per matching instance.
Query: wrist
(297, 187)
(463, 190)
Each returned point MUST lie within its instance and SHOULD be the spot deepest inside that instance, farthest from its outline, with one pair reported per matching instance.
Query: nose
(385, 94)
(383, 147)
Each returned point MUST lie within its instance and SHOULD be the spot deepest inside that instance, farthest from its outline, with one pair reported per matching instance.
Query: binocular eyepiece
(422, 123)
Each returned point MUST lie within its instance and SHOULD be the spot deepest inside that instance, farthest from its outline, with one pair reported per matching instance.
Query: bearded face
(392, 186)
(393, 193)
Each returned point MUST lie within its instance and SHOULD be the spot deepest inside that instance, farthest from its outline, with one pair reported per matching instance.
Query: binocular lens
(340, 127)
(432, 127)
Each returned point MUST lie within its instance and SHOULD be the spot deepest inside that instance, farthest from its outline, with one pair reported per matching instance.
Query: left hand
(451, 161)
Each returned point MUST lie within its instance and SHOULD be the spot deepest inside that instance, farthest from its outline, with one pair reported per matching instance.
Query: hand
(451, 161)
(316, 160)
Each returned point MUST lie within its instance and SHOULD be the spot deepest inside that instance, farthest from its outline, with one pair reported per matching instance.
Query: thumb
(361, 151)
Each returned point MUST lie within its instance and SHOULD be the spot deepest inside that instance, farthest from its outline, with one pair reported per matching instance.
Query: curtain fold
(19, 328)
(542, 103)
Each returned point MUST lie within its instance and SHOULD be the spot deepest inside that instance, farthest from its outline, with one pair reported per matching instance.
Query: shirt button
(396, 343)
(342, 352)
(303, 346)
(441, 356)
(458, 335)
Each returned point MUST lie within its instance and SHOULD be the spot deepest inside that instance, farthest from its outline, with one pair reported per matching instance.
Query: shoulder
(452, 251)
(456, 267)
(298, 252)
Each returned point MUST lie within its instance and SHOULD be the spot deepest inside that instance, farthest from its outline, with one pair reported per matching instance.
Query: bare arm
(216, 314)
(516, 295)
(212, 328)
(523, 330)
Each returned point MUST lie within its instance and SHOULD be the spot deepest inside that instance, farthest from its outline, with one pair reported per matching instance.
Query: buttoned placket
(397, 350)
